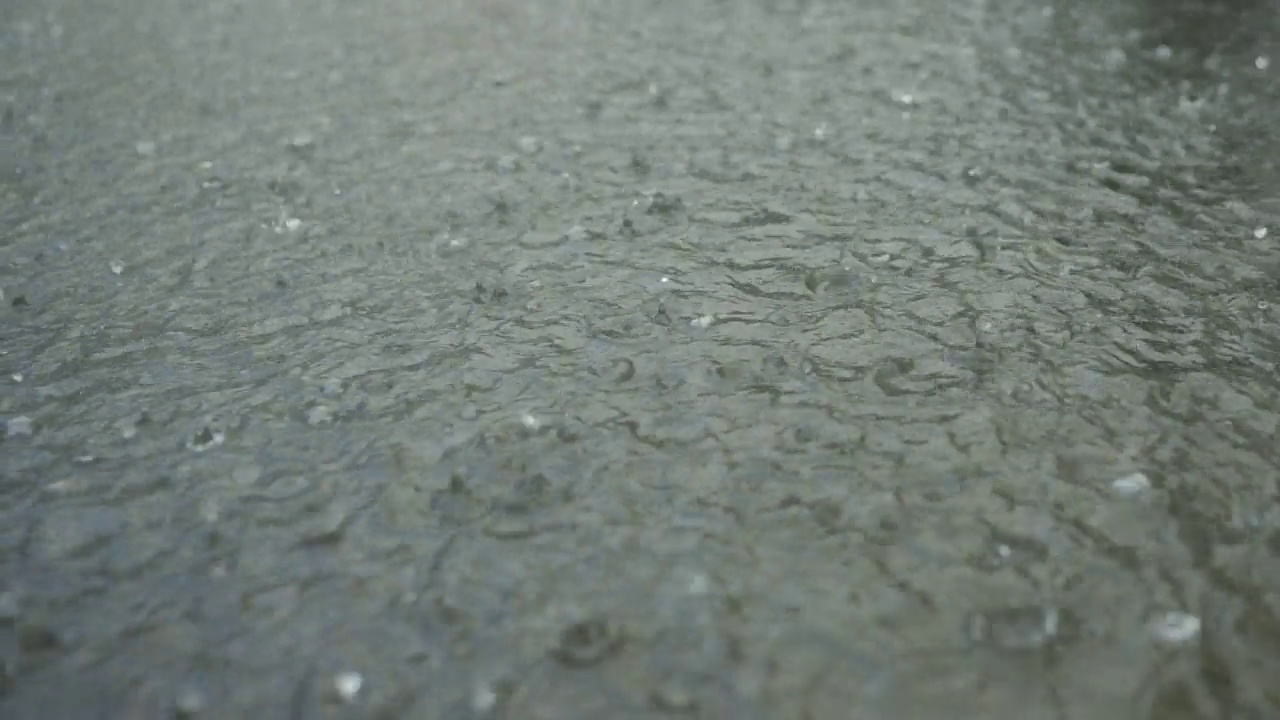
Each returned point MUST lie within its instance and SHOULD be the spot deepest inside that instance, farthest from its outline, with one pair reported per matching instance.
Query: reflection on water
(768, 360)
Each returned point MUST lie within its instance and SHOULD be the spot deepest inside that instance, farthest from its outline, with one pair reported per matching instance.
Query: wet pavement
(599, 359)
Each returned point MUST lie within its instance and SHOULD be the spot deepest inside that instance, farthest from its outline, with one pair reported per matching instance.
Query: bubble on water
(117, 267)
(1260, 232)
(1262, 62)
(1164, 52)
(530, 421)
(702, 322)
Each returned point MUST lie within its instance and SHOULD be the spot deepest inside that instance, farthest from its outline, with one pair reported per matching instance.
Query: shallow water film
(753, 360)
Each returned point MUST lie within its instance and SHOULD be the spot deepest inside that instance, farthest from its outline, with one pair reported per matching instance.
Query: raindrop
(189, 702)
(529, 144)
(1016, 628)
(671, 694)
(1175, 627)
(483, 698)
(1130, 485)
(347, 685)
(302, 143)
(10, 606)
(18, 426)
(206, 439)
(699, 584)
(588, 642)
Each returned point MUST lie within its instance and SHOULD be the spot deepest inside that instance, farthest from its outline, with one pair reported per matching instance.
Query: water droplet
(18, 426)
(206, 439)
(1131, 484)
(529, 144)
(483, 698)
(588, 642)
(347, 685)
(699, 584)
(302, 142)
(1175, 627)
(1016, 628)
(189, 702)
